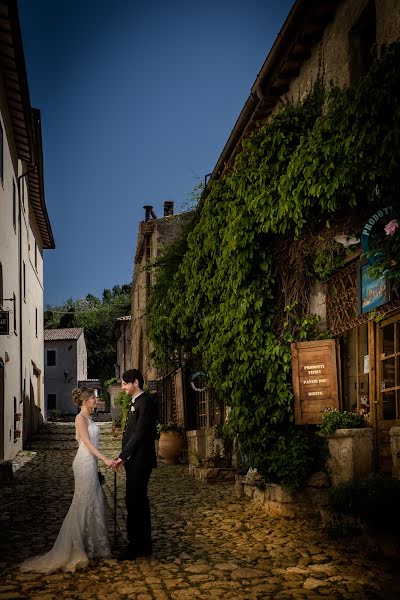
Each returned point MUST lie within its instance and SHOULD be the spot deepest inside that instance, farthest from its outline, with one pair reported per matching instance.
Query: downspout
(20, 177)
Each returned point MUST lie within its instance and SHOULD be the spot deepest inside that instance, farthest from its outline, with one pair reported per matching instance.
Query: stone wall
(273, 499)
(330, 58)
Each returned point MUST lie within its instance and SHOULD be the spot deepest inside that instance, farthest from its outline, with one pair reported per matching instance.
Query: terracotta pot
(170, 446)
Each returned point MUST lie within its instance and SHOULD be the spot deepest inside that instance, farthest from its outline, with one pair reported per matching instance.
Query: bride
(83, 534)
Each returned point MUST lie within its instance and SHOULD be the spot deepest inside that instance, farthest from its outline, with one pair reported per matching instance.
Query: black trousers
(138, 522)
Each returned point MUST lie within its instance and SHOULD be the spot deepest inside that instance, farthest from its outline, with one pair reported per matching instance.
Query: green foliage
(303, 328)
(335, 419)
(306, 165)
(97, 317)
(170, 426)
(124, 401)
(375, 501)
(294, 456)
(104, 391)
(328, 259)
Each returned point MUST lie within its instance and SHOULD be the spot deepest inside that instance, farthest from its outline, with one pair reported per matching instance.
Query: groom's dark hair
(131, 375)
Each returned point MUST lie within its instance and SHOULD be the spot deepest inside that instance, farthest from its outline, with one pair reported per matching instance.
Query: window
(51, 401)
(15, 313)
(51, 358)
(24, 279)
(362, 41)
(1, 154)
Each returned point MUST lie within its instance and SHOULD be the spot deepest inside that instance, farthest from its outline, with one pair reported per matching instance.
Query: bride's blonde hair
(79, 395)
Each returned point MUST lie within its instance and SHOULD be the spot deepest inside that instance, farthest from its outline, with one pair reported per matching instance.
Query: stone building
(25, 232)
(65, 367)
(154, 234)
(336, 41)
(122, 332)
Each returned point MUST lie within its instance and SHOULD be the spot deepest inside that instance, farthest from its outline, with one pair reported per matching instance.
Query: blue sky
(137, 100)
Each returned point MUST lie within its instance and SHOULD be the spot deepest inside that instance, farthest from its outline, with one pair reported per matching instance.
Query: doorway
(388, 385)
(1, 410)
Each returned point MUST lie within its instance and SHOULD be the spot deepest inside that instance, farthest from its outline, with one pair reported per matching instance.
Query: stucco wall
(9, 345)
(69, 355)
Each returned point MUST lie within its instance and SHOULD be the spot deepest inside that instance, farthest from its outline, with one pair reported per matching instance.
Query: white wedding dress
(83, 534)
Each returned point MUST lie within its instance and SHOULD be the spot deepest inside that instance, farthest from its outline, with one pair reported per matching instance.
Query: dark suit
(139, 454)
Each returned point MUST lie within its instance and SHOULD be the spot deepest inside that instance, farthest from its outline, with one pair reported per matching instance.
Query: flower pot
(170, 446)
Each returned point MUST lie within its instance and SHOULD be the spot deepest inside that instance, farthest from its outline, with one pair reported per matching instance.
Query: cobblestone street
(207, 543)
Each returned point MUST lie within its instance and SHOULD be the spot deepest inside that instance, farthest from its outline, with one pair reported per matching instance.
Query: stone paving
(207, 543)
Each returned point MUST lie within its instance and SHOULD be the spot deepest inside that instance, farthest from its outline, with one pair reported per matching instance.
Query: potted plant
(350, 445)
(170, 444)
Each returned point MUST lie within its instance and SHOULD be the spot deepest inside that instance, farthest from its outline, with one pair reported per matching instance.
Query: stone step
(61, 436)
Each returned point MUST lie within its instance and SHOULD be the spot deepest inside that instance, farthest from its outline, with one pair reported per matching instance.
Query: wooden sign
(315, 380)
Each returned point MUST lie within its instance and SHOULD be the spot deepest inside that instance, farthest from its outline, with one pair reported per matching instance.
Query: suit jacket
(139, 434)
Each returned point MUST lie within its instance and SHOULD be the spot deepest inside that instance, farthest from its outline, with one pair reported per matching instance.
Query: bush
(123, 400)
(335, 419)
(375, 501)
(293, 458)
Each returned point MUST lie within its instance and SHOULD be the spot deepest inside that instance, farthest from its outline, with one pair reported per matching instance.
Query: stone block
(259, 496)
(248, 490)
(351, 454)
(395, 447)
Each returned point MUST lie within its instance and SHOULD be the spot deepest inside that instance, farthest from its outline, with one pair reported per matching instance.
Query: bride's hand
(109, 463)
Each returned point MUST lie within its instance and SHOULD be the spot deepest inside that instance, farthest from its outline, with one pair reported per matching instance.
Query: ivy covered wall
(297, 174)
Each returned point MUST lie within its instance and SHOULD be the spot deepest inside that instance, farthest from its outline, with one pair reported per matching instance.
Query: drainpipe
(19, 181)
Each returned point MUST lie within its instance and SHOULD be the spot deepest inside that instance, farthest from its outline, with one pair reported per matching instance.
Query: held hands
(110, 463)
(118, 462)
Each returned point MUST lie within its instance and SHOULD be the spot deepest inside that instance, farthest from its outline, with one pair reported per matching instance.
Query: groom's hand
(118, 462)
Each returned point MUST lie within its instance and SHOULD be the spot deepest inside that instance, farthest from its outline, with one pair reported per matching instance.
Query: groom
(138, 457)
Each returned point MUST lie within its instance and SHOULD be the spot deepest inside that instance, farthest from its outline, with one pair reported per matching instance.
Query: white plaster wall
(55, 382)
(9, 345)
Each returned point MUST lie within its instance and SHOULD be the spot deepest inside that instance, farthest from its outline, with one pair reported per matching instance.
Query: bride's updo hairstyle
(79, 395)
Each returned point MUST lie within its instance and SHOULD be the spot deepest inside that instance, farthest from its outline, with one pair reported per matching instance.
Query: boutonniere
(132, 408)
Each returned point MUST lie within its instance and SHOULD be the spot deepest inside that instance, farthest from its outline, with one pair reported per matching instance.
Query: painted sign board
(315, 380)
(4, 322)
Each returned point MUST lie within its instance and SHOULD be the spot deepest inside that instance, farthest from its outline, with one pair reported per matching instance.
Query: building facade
(336, 42)
(65, 367)
(25, 232)
(154, 235)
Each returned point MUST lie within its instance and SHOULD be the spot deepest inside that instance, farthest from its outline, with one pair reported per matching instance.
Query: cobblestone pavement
(207, 543)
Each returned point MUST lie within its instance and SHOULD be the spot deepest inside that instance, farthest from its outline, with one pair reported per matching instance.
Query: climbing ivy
(296, 172)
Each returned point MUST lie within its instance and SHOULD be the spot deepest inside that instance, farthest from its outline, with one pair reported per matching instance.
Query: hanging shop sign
(198, 381)
(4, 322)
(373, 232)
(315, 380)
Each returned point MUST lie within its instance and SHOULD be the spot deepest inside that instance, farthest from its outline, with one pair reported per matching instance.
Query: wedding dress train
(83, 534)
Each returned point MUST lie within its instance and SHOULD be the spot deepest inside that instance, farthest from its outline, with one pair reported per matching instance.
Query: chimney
(168, 208)
(149, 212)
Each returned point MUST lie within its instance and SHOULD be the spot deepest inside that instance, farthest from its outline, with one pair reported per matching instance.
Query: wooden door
(388, 385)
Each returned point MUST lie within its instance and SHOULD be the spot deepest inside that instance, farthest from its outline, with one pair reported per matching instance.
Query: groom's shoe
(131, 554)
